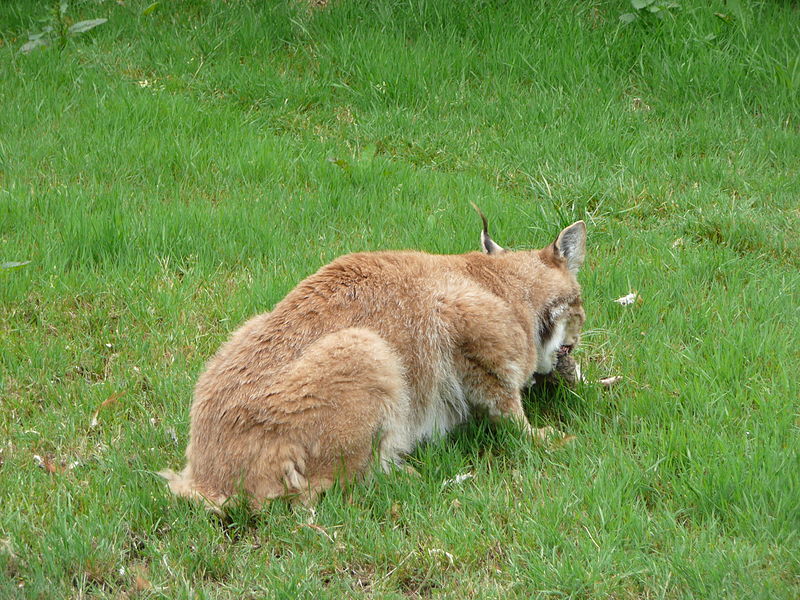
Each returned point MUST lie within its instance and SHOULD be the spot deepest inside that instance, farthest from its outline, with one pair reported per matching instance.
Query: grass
(169, 175)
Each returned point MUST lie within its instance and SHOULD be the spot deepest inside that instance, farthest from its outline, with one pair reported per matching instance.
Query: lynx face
(559, 331)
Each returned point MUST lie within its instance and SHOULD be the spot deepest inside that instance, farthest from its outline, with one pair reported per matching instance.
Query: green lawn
(170, 174)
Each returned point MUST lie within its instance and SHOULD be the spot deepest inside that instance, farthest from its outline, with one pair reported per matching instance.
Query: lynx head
(561, 317)
(554, 295)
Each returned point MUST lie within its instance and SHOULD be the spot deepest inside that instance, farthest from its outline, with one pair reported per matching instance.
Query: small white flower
(440, 552)
(457, 479)
(626, 300)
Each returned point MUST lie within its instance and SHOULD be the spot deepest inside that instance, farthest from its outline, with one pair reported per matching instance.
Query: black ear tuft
(571, 245)
(488, 245)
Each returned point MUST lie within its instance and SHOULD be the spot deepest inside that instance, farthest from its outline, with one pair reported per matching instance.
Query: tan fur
(371, 355)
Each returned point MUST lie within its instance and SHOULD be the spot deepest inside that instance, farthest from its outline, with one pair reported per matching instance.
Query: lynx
(373, 354)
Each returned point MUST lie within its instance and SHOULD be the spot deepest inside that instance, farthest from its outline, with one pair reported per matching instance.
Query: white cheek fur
(546, 355)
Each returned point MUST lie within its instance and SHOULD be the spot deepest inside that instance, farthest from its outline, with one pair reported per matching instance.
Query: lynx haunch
(375, 353)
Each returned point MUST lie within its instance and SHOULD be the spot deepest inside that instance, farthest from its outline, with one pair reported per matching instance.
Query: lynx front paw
(549, 437)
(409, 470)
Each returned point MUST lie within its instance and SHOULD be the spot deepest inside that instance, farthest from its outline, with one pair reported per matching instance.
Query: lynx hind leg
(352, 382)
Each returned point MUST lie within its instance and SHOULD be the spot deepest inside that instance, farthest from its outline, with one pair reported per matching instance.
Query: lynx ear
(571, 245)
(488, 245)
